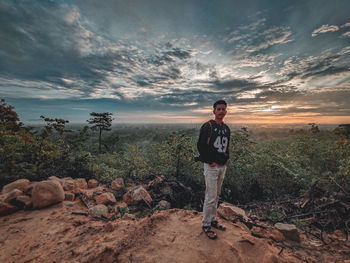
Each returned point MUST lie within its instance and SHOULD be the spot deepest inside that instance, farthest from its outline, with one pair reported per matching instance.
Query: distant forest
(266, 162)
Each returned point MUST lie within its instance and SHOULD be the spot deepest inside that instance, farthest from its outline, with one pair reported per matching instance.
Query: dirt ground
(54, 234)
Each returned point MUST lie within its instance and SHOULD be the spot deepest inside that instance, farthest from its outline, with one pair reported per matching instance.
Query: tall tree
(8, 117)
(101, 122)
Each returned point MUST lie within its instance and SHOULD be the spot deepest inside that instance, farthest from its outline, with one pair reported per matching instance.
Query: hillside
(54, 234)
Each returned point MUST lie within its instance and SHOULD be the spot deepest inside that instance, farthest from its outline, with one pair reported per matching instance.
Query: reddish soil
(54, 234)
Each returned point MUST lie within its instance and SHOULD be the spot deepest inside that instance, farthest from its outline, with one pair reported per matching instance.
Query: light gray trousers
(214, 176)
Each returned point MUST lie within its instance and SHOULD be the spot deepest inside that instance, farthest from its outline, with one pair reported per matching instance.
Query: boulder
(232, 213)
(20, 184)
(6, 209)
(98, 211)
(289, 231)
(46, 193)
(164, 204)
(11, 196)
(92, 183)
(106, 198)
(117, 184)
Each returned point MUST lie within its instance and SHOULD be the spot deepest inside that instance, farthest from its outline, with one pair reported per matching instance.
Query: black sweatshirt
(213, 142)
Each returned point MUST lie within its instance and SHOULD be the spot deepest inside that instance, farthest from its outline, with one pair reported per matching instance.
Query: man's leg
(211, 184)
(221, 176)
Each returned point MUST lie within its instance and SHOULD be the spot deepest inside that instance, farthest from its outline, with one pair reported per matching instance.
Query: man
(213, 147)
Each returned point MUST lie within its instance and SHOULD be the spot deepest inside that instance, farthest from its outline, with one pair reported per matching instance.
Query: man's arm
(202, 144)
(228, 148)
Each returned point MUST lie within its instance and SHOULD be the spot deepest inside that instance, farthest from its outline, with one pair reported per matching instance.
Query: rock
(289, 231)
(232, 213)
(6, 209)
(129, 216)
(12, 195)
(30, 188)
(46, 193)
(137, 195)
(164, 204)
(87, 193)
(69, 196)
(68, 203)
(20, 184)
(25, 200)
(80, 183)
(155, 182)
(67, 184)
(106, 198)
(167, 191)
(54, 178)
(92, 183)
(117, 184)
(98, 211)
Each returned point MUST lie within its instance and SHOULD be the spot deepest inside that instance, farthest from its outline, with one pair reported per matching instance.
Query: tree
(8, 117)
(100, 122)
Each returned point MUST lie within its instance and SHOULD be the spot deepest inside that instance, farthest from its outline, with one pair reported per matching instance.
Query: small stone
(106, 198)
(117, 184)
(232, 213)
(137, 195)
(69, 196)
(92, 183)
(289, 231)
(20, 184)
(129, 216)
(68, 203)
(164, 204)
(98, 211)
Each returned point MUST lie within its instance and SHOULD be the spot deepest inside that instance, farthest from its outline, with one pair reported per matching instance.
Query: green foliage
(275, 216)
(258, 170)
(300, 223)
(176, 155)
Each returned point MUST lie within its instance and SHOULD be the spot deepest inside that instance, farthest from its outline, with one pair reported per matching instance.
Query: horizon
(160, 61)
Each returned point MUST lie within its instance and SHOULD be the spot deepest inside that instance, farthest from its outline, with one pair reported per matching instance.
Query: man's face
(220, 111)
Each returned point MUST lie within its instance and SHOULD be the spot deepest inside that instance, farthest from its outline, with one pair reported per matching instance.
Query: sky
(162, 61)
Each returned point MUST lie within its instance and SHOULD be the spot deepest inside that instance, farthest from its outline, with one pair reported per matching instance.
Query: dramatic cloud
(171, 59)
(324, 29)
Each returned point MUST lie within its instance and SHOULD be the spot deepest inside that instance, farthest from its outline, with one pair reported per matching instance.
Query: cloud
(324, 29)
(345, 25)
(271, 37)
(346, 34)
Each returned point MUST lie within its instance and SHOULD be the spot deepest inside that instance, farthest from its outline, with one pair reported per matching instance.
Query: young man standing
(213, 147)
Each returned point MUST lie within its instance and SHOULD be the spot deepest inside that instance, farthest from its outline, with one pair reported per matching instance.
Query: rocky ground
(69, 232)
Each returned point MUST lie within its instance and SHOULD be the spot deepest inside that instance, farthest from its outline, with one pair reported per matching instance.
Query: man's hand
(227, 162)
(213, 164)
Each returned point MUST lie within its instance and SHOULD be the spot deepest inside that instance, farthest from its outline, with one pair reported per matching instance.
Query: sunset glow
(169, 61)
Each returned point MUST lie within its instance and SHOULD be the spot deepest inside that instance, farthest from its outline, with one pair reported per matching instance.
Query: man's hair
(219, 102)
